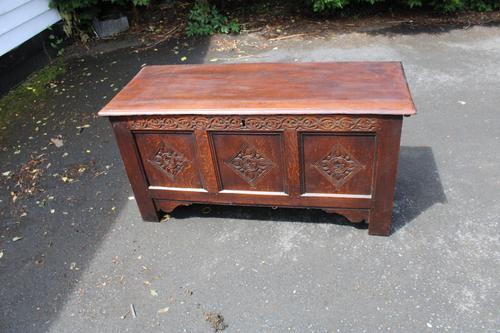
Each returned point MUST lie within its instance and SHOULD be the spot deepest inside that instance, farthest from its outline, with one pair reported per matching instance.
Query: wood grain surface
(263, 88)
(314, 135)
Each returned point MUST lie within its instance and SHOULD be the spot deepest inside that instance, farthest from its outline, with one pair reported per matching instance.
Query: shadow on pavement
(263, 214)
(67, 220)
(418, 185)
(415, 28)
(418, 188)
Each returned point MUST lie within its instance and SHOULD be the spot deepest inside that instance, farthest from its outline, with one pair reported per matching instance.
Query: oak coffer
(315, 135)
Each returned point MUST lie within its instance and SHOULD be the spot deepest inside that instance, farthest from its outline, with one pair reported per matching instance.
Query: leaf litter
(27, 178)
(216, 320)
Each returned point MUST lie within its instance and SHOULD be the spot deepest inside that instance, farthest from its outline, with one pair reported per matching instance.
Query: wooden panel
(385, 179)
(169, 159)
(337, 163)
(249, 162)
(325, 123)
(292, 162)
(206, 159)
(261, 199)
(132, 162)
(268, 88)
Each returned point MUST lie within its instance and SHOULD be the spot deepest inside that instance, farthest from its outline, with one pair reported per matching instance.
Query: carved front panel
(169, 159)
(249, 162)
(337, 163)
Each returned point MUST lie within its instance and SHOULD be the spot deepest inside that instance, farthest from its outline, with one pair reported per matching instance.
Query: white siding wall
(22, 19)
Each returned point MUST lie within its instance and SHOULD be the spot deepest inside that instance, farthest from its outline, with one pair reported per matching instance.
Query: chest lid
(266, 88)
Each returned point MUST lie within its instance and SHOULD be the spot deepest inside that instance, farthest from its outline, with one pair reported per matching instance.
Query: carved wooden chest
(316, 135)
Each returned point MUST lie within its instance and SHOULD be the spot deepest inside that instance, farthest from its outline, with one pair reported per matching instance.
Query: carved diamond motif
(338, 166)
(250, 164)
(168, 160)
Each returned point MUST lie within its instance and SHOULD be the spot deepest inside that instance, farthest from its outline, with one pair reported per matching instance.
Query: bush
(204, 19)
(445, 6)
(78, 14)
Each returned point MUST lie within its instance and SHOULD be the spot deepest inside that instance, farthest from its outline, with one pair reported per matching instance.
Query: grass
(26, 95)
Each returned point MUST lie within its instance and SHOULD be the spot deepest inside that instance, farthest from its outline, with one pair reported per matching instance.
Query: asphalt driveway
(76, 255)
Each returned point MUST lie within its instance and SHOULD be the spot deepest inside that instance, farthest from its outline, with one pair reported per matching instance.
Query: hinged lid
(266, 88)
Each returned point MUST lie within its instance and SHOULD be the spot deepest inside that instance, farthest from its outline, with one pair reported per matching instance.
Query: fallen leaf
(132, 310)
(216, 320)
(183, 58)
(6, 173)
(1, 254)
(153, 292)
(165, 218)
(57, 141)
(15, 239)
(164, 310)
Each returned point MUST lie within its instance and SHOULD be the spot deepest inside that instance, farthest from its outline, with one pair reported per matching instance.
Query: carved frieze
(272, 123)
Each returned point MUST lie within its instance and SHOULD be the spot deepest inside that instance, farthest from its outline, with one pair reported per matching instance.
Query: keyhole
(242, 122)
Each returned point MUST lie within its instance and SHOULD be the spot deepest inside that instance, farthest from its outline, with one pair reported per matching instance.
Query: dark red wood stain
(317, 135)
(264, 88)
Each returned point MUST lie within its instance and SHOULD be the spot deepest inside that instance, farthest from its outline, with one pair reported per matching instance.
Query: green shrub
(445, 6)
(78, 14)
(204, 19)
